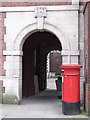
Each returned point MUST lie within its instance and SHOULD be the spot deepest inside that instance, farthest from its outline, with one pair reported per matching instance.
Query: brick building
(53, 63)
(29, 30)
(86, 12)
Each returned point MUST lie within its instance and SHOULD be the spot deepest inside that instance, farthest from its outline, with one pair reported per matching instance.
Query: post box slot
(71, 74)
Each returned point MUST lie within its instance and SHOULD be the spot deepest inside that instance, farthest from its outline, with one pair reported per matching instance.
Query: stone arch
(30, 29)
(16, 55)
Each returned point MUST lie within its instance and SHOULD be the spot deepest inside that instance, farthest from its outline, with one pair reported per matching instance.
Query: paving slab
(43, 105)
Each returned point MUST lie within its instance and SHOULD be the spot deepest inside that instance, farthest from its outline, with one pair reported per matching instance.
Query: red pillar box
(70, 89)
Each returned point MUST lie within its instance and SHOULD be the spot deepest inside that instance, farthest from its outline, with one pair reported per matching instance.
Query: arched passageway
(35, 50)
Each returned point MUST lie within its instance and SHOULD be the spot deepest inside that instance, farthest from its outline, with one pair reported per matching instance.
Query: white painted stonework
(21, 22)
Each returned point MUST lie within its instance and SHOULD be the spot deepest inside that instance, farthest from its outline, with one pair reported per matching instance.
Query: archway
(16, 55)
(35, 50)
(32, 28)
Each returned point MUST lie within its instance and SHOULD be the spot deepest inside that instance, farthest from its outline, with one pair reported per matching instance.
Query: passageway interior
(35, 51)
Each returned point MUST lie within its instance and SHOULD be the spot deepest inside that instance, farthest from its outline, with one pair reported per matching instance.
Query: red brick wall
(10, 3)
(87, 50)
(2, 43)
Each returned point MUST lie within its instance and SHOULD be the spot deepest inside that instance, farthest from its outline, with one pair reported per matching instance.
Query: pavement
(43, 105)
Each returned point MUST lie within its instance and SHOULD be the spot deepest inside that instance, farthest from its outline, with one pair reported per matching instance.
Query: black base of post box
(70, 108)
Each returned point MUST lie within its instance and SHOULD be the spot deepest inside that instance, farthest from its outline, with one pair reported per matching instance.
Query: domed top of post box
(71, 66)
